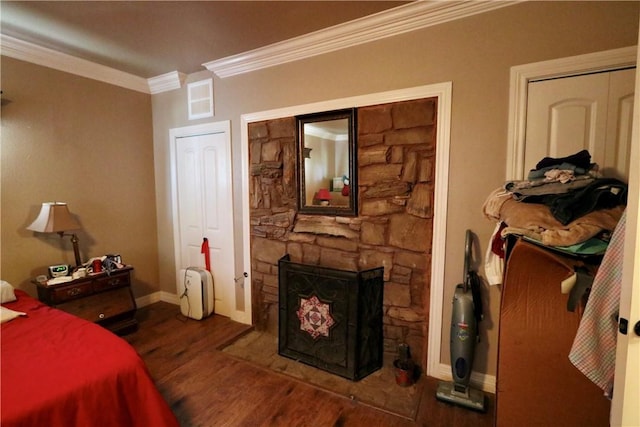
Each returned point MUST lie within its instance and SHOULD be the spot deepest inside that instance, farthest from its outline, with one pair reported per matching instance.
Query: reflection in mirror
(327, 163)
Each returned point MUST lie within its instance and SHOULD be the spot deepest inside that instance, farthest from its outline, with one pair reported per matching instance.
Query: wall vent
(200, 99)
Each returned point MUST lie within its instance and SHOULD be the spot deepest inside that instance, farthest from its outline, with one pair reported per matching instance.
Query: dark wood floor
(206, 387)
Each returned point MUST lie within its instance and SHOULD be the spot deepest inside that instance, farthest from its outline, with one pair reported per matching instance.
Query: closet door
(591, 112)
(205, 209)
(619, 123)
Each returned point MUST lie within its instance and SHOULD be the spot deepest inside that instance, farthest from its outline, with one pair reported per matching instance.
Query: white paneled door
(592, 112)
(204, 209)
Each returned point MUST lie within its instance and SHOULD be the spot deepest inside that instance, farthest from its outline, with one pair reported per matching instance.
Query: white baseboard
(170, 298)
(157, 296)
(480, 381)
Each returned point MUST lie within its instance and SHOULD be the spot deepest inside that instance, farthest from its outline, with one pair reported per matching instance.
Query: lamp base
(76, 249)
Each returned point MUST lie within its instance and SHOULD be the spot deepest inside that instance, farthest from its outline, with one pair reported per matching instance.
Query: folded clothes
(600, 194)
(592, 246)
(581, 159)
(522, 190)
(535, 220)
(559, 175)
(559, 205)
(540, 173)
(573, 199)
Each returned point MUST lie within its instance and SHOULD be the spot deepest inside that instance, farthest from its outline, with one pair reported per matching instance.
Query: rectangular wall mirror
(327, 181)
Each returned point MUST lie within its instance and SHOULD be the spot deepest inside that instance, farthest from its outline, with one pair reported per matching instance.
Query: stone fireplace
(393, 229)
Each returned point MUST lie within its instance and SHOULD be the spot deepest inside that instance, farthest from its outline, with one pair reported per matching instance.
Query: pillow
(7, 314)
(6, 292)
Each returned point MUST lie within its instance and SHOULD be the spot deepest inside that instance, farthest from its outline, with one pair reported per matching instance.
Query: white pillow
(7, 314)
(6, 292)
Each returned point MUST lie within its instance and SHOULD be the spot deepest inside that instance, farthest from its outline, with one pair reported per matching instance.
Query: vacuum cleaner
(465, 316)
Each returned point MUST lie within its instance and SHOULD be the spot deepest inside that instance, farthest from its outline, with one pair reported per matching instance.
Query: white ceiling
(151, 38)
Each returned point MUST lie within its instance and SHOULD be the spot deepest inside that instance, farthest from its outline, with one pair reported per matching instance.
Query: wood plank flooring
(206, 387)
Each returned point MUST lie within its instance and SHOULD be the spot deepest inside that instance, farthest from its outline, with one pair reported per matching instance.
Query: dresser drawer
(102, 306)
(110, 282)
(104, 298)
(67, 293)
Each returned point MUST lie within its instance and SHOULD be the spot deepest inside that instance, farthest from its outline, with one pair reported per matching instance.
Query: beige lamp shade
(54, 217)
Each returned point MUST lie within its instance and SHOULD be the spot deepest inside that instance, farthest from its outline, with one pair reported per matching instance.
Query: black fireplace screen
(331, 319)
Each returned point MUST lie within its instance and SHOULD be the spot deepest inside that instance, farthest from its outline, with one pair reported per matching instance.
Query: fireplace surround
(396, 159)
(331, 318)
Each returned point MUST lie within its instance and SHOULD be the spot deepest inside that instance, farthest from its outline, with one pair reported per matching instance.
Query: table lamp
(324, 196)
(54, 217)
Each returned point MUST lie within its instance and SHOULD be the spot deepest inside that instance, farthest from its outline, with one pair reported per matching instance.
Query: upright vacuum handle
(468, 242)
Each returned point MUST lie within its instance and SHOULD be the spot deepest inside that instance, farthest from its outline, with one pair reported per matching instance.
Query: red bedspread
(60, 370)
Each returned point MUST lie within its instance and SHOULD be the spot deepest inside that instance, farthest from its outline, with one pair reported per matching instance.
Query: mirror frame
(352, 208)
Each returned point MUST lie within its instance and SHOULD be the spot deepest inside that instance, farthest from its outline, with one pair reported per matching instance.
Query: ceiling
(151, 38)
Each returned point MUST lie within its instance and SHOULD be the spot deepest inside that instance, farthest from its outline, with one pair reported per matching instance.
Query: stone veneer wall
(396, 161)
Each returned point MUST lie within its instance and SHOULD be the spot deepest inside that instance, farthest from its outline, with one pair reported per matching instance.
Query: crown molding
(29, 52)
(166, 82)
(403, 19)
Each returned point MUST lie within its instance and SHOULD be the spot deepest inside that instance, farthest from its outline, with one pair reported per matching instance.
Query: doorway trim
(521, 75)
(443, 92)
(188, 131)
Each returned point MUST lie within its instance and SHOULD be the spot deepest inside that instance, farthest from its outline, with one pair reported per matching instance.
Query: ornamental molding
(35, 54)
(403, 19)
(166, 82)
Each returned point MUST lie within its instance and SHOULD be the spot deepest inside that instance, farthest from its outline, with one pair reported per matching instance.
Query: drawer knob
(101, 315)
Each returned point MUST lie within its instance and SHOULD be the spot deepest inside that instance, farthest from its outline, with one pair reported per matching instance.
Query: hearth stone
(331, 318)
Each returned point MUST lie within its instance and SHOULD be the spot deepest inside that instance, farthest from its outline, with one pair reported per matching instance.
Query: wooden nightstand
(105, 299)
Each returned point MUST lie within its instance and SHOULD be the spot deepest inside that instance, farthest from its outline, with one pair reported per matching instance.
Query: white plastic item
(195, 289)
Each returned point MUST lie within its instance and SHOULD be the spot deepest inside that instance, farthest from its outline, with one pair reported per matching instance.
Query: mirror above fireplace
(326, 163)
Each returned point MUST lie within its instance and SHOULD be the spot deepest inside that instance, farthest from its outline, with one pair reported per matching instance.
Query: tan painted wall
(75, 140)
(99, 134)
(475, 53)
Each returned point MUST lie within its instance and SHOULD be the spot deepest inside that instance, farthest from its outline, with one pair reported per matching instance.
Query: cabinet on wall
(536, 383)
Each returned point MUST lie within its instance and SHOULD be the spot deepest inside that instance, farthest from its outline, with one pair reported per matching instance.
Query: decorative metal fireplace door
(331, 319)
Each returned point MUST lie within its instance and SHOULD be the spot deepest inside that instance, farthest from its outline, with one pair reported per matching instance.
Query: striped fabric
(594, 348)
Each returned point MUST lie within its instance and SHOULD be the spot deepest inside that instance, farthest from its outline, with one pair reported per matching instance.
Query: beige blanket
(536, 221)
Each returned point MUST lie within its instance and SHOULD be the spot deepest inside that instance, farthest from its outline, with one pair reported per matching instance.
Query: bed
(60, 370)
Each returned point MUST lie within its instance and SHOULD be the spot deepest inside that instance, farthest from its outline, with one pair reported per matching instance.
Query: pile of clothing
(564, 203)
